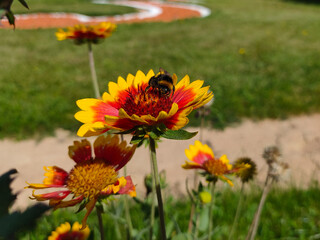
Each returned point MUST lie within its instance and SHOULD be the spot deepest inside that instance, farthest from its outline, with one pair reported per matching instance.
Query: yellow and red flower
(202, 157)
(81, 33)
(65, 232)
(91, 178)
(131, 104)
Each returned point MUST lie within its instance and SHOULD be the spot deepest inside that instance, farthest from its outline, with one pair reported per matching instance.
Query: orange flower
(81, 33)
(91, 178)
(131, 103)
(202, 157)
(65, 232)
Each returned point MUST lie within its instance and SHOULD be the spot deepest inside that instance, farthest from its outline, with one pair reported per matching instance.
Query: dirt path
(298, 139)
(149, 11)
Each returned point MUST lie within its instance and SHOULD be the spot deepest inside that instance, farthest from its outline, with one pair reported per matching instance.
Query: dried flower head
(247, 169)
(278, 170)
(271, 154)
(277, 167)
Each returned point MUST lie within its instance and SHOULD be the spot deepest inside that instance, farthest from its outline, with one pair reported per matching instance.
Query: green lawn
(71, 6)
(278, 76)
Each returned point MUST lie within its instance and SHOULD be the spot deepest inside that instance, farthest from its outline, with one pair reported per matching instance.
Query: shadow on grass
(304, 1)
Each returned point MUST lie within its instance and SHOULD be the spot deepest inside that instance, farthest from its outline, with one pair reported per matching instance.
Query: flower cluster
(142, 105)
(91, 178)
(83, 34)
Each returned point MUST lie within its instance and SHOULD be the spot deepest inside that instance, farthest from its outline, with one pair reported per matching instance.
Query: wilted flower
(131, 103)
(91, 178)
(248, 169)
(84, 34)
(202, 157)
(65, 232)
(271, 154)
(277, 167)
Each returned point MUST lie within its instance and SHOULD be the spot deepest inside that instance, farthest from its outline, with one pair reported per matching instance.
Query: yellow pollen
(90, 177)
(215, 167)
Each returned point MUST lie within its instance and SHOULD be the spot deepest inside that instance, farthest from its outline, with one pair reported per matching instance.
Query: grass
(288, 214)
(71, 6)
(277, 77)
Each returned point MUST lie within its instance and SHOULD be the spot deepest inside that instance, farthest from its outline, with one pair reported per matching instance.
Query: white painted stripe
(204, 11)
(146, 10)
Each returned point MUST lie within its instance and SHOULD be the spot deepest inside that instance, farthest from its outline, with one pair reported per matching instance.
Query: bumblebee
(163, 82)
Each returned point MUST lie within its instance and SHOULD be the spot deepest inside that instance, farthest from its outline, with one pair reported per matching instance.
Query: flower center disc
(147, 102)
(215, 167)
(90, 177)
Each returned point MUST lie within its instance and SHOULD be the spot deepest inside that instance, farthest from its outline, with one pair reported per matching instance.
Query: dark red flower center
(86, 35)
(142, 102)
(70, 236)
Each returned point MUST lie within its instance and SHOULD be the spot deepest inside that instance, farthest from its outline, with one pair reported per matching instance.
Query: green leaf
(182, 236)
(10, 17)
(83, 204)
(179, 134)
(127, 131)
(24, 3)
(7, 198)
(204, 219)
(137, 140)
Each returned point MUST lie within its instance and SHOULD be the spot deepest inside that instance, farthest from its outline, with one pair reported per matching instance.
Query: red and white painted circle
(151, 11)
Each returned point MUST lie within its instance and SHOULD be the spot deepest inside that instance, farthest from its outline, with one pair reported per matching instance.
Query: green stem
(202, 117)
(236, 218)
(266, 190)
(93, 72)
(158, 188)
(195, 222)
(126, 204)
(153, 203)
(195, 176)
(99, 214)
(116, 221)
(212, 187)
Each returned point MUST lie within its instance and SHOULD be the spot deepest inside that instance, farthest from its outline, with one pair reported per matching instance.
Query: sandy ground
(298, 138)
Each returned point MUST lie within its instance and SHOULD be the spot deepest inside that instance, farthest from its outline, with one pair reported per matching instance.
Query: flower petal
(62, 204)
(80, 151)
(112, 151)
(191, 165)
(55, 176)
(89, 208)
(129, 188)
(58, 195)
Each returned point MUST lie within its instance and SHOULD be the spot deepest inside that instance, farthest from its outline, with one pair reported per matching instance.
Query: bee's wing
(162, 71)
(174, 79)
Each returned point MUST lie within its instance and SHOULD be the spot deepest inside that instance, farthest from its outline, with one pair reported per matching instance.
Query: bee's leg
(173, 89)
(147, 88)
